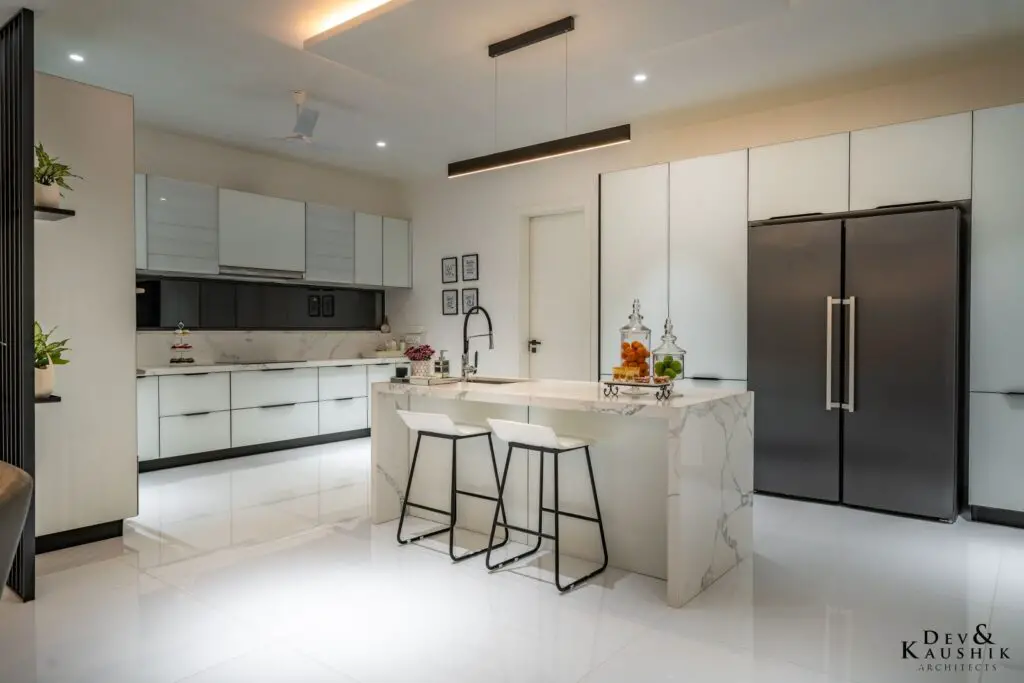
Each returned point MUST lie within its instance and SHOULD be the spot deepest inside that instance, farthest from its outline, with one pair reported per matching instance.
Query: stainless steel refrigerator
(856, 354)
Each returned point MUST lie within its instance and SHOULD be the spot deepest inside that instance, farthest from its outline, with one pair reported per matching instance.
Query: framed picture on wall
(449, 302)
(471, 267)
(449, 270)
(470, 298)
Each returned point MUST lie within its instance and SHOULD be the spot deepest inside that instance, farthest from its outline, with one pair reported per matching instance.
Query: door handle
(851, 366)
(534, 343)
(830, 302)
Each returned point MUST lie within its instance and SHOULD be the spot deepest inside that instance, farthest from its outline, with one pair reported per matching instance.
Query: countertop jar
(635, 347)
(667, 359)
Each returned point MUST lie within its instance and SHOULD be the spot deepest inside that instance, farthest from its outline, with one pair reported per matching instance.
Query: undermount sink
(493, 380)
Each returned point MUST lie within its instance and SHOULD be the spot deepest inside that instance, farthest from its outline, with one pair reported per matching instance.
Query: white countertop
(583, 396)
(197, 369)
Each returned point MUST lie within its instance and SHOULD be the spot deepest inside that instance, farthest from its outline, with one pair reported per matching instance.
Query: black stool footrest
(429, 509)
(435, 532)
(563, 513)
(522, 530)
(481, 496)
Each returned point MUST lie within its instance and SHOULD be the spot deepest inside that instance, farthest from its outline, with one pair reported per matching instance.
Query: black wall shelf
(52, 398)
(47, 213)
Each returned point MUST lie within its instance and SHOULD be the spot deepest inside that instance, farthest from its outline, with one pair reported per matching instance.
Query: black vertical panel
(217, 305)
(17, 291)
(179, 303)
(901, 440)
(792, 270)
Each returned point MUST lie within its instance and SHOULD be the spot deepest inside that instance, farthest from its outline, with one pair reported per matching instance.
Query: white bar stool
(540, 438)
(440, 426)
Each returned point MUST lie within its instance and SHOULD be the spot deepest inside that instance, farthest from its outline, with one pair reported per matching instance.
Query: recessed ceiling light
(163, 199)
(381, 143)
(75, 57)
(639, 78)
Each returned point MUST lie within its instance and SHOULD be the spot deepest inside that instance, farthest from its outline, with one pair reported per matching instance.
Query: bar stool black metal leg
(405, 502)
(500, 503)
(453, 504)
(600, 526)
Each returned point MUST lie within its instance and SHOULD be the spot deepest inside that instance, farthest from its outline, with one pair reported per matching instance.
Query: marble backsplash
(153, 348)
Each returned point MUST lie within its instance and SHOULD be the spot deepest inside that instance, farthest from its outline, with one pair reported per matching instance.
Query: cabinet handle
(706, 378)
(348, 398)
(278, 369)
(194, 374)
(278, 405)
(197, 414)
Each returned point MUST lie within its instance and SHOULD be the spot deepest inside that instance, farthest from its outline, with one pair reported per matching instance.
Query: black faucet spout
(465, 329)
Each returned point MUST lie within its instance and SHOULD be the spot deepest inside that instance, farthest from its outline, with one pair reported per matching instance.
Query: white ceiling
(419, 76)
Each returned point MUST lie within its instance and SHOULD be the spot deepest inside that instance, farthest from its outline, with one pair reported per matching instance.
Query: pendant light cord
(495, 104)
(566, 76)
(668, 240)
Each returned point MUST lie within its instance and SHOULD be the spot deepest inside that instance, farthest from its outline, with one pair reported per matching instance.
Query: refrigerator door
(901, 440)
(793, 269)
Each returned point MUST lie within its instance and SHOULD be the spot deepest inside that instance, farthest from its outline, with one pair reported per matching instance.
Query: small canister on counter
(635, 352)
(667, 359)
(442, 367)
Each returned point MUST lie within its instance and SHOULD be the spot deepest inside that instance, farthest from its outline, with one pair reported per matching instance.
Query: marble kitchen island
(674, 478)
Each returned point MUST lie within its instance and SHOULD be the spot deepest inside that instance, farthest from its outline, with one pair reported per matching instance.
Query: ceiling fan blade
(305, 121)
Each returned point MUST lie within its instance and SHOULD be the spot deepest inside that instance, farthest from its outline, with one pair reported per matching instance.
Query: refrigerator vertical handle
(829, 303)
(851, 365)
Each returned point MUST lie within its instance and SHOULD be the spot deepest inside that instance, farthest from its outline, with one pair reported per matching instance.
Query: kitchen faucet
(468, 369)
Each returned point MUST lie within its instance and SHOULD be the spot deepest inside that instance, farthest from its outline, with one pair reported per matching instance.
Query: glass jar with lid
(635, 348)
(667, 360)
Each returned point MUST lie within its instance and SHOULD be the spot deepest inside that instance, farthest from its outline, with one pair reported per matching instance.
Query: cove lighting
(75, 57)
(583, 142)
(353, 9)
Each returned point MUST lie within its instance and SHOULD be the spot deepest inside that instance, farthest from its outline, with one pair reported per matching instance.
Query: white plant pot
(422, 368)
(47, 195)
(45, 378)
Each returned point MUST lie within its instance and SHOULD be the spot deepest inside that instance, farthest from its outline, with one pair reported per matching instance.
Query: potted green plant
(51, 176)
(47, 355)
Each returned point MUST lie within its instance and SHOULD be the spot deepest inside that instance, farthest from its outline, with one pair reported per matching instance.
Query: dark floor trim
(73, 537)
(997, 516)
(228, 453)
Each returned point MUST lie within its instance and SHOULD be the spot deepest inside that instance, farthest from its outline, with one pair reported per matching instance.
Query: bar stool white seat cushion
(438, 423)
(538, 436)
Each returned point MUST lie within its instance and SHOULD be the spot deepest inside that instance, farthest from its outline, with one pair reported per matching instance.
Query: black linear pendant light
(570, 144)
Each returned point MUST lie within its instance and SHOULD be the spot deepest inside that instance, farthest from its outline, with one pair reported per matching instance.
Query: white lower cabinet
(343, 415)
(199, 433)
(997, 451)
(200, 393)
(273, 387)
(147, 417)
(342, 382)
(252, 426)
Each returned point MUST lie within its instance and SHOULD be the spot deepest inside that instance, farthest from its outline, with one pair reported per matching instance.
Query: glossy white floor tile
(266, 569)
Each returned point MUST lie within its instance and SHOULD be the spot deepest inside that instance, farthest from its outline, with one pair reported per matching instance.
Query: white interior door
(560, 298)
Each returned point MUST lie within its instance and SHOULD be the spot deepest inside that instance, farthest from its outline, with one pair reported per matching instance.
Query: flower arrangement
(422, 352)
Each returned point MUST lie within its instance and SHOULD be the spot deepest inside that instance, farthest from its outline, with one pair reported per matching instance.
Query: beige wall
(86, 462)
(486, 213)
(205, 161)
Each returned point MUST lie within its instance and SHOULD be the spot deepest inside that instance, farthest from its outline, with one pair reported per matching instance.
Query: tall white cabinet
(634, 228)
(708, 264)
(997, 314)
(927, 160)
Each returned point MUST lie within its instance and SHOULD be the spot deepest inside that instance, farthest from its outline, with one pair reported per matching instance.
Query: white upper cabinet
(634, 253)
(802, 177)
(708, 264)
(263, 233)
(397, 253)
(920, 161)
(330, 244)
(141, 255)
(181, 225)
(369, 249)
(997, 251)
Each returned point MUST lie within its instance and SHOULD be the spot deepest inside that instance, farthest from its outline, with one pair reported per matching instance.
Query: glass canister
(668, 358)
(635, 351)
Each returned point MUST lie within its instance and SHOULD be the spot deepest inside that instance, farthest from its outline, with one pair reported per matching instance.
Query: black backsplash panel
(224, 305)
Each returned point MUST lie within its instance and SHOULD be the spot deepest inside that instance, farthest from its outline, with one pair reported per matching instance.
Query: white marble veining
(681, 470)
(266, 569)
(198, 369)
(212, 346)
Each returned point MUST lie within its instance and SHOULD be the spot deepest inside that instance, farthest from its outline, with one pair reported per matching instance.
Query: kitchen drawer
(342, 415)
(273, 423)
(147, 410)
(200, 433)
(203, 393)
(342, 382)
(997, 451)
(273, 387)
